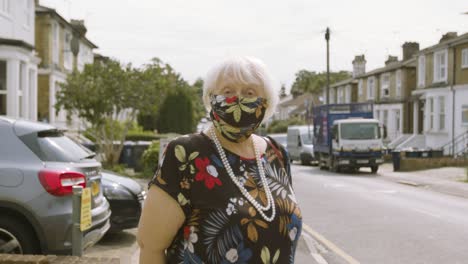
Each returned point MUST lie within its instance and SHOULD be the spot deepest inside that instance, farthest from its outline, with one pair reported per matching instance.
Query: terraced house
(441, 108)
(18, 60)
(62, 47)
(389, 88)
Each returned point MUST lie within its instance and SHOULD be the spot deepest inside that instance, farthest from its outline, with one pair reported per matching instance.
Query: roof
(411, 63)
(16, 43)
(454, 41)
(299, 100)
(46, 10)
(344, 82)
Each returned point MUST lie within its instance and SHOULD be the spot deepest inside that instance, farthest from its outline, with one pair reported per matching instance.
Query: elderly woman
(224, 195)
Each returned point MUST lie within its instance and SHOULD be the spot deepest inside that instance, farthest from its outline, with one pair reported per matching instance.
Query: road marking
(410, 183)
(329, 245)
(319, 258)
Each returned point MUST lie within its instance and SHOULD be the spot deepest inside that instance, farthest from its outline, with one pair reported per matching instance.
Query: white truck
(347, 136)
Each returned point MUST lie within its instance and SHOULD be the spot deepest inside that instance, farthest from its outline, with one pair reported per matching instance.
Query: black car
(126, 199)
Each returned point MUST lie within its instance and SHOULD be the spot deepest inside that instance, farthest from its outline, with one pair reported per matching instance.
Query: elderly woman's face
(248, 91)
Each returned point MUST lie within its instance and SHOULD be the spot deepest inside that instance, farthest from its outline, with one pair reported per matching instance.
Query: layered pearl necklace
(260, 208)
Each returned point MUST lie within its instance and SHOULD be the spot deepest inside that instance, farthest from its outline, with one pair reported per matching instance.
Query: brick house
(56, 41)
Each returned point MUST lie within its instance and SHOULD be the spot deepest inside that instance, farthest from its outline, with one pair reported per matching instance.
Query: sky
(287, 35)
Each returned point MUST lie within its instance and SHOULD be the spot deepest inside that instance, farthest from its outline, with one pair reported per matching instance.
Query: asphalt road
(373, 220)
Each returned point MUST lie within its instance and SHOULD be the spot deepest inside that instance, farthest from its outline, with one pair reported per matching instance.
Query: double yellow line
(321, 239)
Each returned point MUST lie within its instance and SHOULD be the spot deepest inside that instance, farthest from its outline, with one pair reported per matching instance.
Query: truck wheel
(374, 169)
(16, 237)
(304, 160)
(333, 166)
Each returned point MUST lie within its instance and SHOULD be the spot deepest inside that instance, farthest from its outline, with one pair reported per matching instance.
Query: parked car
(281, 138)
(126, 198)
(39, 165)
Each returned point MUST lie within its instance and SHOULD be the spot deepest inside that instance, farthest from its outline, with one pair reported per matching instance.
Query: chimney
(447, 36)
(391, 59)
(359, 65)
(410, 49)
(79, 26)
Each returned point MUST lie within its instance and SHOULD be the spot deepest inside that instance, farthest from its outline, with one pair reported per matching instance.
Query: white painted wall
(17, 21)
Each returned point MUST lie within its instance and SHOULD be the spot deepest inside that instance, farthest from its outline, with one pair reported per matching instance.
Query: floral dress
(221, 226)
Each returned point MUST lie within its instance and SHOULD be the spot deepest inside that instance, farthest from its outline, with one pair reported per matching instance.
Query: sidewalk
(447, 180)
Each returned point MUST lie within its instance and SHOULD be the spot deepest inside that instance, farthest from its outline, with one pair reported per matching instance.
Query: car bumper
(125, 214)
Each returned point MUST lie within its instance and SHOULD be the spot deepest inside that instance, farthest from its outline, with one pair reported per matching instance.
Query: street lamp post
(327, 38)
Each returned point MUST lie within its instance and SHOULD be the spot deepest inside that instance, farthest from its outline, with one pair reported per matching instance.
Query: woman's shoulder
(194, 140)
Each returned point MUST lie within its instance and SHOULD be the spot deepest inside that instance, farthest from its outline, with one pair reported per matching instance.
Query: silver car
(38, 167)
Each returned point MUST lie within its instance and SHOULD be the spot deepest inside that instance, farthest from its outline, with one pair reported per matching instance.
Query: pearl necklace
(260, 208)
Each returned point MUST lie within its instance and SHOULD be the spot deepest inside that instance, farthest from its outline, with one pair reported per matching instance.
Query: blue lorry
(347, 136)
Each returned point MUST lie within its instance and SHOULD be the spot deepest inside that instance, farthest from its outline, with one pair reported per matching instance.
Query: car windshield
(307, 138)
(53, 145)
(282, 139)
(360, 131)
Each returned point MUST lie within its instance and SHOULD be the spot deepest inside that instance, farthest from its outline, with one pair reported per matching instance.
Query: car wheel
(17, 237)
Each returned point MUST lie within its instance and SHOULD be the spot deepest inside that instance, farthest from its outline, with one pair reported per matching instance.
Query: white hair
(246, 71)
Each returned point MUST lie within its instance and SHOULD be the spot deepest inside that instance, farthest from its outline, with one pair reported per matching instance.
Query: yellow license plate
(95, 188)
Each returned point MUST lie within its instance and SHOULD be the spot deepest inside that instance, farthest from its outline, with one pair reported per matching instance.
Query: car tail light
(60, 183)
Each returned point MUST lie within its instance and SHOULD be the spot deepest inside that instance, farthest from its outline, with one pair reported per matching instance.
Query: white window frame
(440, 64)
(442, 117)
(398, 120)
(28, 13)
(67, 54)
(360, 84)
(464, 55)
(5, 8)
(370, 88)
(385, 85)
(398, 83)
(430, 109)
(55, 43)
(421, 71)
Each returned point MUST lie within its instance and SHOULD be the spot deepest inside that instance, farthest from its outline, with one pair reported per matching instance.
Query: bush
(150, 159)
(142, 136)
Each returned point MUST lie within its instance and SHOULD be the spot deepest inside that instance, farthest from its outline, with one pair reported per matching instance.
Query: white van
(299, 144)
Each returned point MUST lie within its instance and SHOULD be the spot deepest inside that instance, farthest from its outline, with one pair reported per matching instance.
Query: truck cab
(356, 143)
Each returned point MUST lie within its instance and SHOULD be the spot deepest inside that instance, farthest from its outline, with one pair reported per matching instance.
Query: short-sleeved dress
(221, 225)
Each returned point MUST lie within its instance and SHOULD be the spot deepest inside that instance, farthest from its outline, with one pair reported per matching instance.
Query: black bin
(396, 158)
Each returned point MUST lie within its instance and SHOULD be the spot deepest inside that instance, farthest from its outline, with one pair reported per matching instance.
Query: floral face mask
(236, 118)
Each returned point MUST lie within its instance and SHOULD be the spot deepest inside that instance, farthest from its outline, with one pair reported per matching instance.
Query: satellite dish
(75, 45)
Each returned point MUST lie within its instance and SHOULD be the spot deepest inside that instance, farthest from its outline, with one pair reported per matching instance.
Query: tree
(314, 82)
(177, 113)
(101, 95)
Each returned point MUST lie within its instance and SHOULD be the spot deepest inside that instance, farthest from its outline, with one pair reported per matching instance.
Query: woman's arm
(160, 220)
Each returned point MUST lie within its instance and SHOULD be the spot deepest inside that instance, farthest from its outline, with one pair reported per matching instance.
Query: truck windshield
(307, 138)
(360, 131)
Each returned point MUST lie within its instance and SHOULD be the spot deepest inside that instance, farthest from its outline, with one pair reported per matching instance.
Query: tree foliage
(177, 113)
(313, 82)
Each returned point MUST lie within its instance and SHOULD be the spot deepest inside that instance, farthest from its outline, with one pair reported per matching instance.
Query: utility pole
(327, 38)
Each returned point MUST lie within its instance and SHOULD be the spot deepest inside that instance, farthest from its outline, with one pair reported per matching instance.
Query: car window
(53, 145)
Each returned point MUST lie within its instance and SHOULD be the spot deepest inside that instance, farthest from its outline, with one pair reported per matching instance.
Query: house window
(385, 118)
(3, 88)
(397, 120)
(348, 94)
(398, 83)
(430, 103)
(421, 71)
(370, 88)
(465, 115)
(442, 113)
(67, 54)
(5, 7)
(465, 58)
(385, 87)
(360, 87)
(55, 43)
(440, 66)
(28, 13)
(340, 96)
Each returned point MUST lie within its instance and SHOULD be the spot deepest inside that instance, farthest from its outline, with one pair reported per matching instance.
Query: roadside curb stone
(52, 259)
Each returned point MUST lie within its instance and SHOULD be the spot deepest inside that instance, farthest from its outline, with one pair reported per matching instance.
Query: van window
(306, 138)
